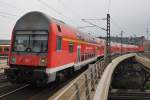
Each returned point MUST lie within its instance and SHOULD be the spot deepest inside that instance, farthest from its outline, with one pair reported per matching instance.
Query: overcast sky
(131, 16)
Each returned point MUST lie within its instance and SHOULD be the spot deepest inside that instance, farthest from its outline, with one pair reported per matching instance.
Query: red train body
(43, 49)
(4, 50)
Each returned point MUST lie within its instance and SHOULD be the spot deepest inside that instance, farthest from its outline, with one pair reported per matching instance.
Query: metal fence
(84, 86)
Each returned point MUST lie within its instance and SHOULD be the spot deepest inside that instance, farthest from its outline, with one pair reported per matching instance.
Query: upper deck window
(59, 43)
(59, 28)
(6, 49)
(1, 49)
(71, 47)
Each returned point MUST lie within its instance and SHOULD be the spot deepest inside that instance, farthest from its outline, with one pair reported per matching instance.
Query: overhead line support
(108, 40)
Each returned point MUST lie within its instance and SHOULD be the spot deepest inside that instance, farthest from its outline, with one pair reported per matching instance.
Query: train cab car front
(29, 49)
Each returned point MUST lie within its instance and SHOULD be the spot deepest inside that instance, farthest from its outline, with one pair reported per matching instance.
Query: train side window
(71, 47)
(1, 49)
(58, 43)
(59, 28)
(6, 49)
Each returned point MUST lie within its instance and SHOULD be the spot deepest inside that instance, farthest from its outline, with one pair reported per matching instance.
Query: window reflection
(31, 42)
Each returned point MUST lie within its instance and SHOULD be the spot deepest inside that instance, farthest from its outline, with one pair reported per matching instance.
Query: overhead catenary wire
(6, 17)
(55, 10)
(49, 6)
(84, 20)
(93, 24)
(116, 24)
(10, 5)
(109, 5)
(9, 14)
(82, 27)
(69, 8)
(97, 19)
(112, 19)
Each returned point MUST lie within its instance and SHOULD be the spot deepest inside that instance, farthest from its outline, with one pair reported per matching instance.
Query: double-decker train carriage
(4, 50)
(44, 49)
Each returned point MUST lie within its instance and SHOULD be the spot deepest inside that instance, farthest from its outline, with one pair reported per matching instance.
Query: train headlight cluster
(43, 61)
(13, 59)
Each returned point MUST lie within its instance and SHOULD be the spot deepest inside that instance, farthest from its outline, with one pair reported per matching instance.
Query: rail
(13, 91)
(121, 94)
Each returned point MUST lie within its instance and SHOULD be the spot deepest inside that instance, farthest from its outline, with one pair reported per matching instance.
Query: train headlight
(13, 59)
(43, 61)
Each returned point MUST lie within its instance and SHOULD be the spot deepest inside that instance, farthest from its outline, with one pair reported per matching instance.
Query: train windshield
(28, 41)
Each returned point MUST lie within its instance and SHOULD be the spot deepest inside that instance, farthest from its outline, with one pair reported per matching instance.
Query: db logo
(26, 60)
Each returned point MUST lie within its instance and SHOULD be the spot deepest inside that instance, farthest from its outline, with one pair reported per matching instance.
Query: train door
(78, 53)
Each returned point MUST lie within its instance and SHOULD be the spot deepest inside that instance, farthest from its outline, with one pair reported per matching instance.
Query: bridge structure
(104, 88)
(96, 82)
(100, 81)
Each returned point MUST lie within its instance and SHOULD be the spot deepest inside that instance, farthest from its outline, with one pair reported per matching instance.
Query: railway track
(129, 95)
(9, 92)
(3, 78)
(13, 91)
(2, 85)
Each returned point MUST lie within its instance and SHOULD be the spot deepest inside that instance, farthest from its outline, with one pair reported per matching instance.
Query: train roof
(33, 21)
(29, 21)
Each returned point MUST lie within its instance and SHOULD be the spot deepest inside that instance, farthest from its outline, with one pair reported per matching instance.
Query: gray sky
(131, 16)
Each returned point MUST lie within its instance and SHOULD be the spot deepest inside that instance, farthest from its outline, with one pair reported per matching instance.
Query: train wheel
(40, 82)
(71, 72)
(64, 74)
(12, 79)
(60, 77)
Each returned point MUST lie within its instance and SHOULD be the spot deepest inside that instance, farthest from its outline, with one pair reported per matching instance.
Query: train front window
(21, 42)
(38, 43)
(35, 42)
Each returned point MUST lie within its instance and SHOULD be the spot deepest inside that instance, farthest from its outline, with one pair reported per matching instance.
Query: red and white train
(4, 50)
(43, 49)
